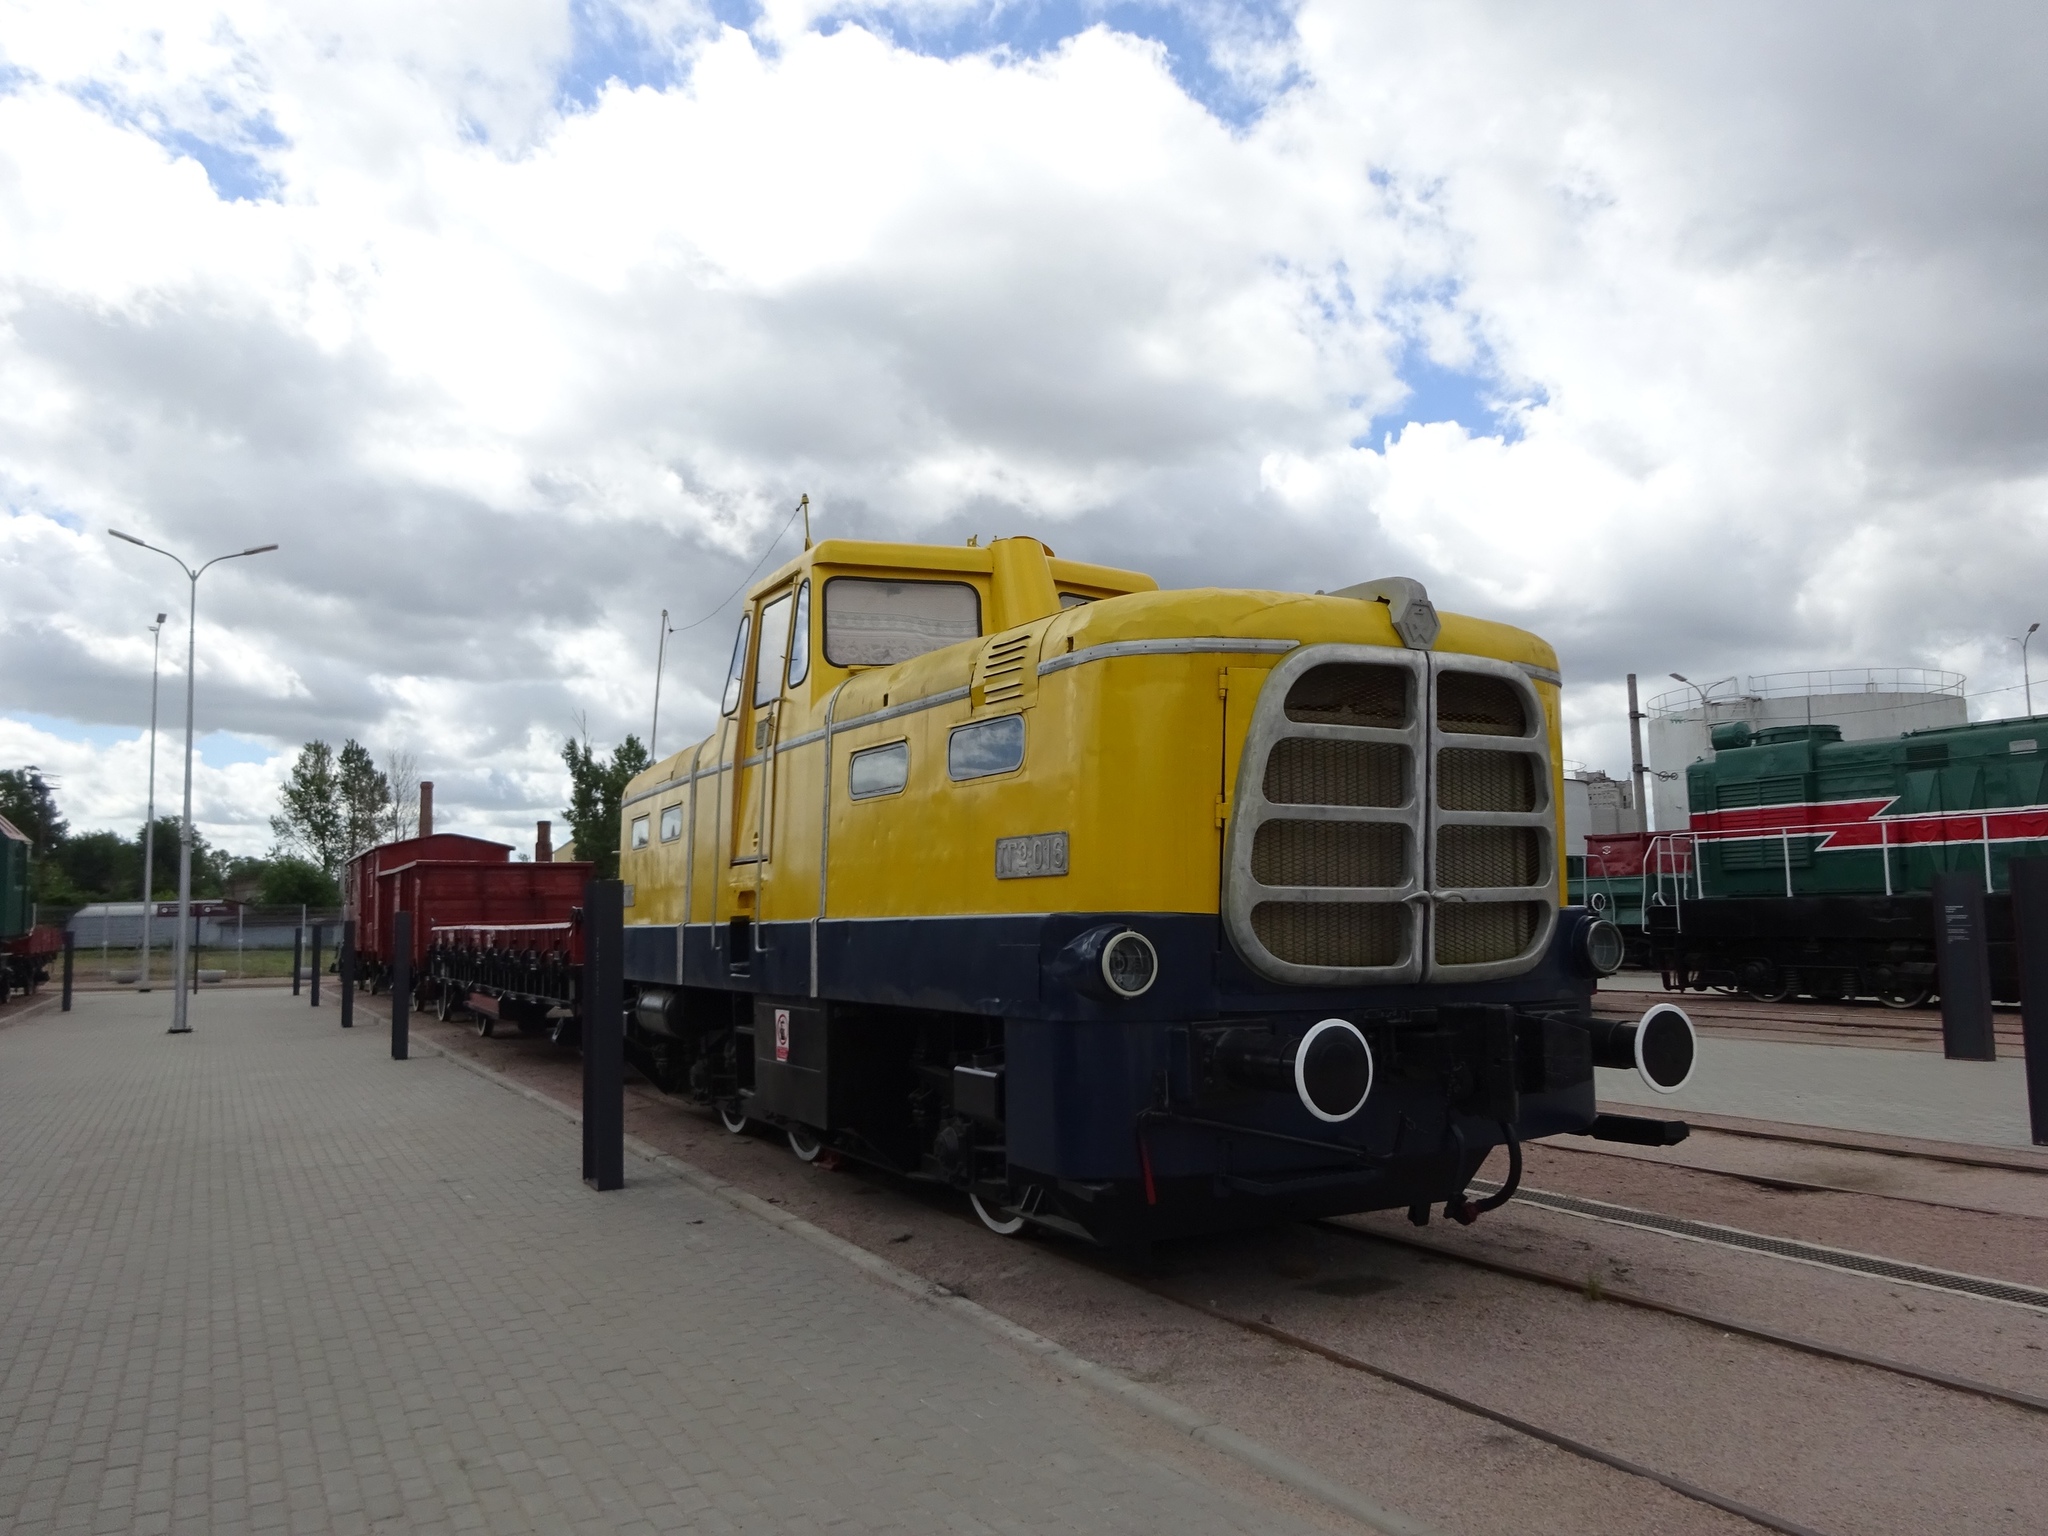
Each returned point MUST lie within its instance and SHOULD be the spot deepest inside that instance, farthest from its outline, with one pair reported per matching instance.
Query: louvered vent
(1003, 668)
(1349, 854)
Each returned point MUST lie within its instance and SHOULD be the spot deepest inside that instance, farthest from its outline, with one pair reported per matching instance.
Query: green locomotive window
(731, 701)
(639, 831)
(671, 823)
(800, 637)
(986, 747)
(878, 771)
(774, 651)
(871, 623)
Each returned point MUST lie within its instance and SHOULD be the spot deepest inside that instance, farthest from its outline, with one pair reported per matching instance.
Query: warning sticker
(782, 1034)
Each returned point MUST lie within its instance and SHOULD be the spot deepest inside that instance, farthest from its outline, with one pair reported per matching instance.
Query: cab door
(754, 755)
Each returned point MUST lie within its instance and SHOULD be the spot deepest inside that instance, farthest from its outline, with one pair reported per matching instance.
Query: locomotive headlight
(1130, 964)
(1600, 946)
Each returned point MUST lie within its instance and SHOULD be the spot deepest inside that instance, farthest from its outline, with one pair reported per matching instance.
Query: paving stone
(263, 1278)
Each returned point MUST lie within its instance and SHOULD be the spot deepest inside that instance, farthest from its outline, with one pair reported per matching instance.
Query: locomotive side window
(870, 623)
(774, 651)
(733, 677)
(986, 747)
(879, 771)
(800, 637)
(639, 831)
(671, 823)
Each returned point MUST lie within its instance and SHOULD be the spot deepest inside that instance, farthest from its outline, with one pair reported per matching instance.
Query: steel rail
(1714, 1320)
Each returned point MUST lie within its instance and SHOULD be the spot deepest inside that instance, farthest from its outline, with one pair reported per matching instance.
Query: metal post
(2029, 881)
(604, 1065)
(70, 944)
(298, 955)
(1635, 756)
(156, 648)
(1786, 834)
(1884, 843)
(1986, 830)
(401, 985)
(347, 956)
(1964, 967)
(313, 970)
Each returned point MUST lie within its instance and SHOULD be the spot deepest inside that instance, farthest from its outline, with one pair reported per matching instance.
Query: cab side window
(737, 675)
(774, 651)
(800, 637)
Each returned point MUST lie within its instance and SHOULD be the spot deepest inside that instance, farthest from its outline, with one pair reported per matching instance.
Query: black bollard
(401, 985)
(313, 970)
(70, 943)
(298, 957)
(2030, 931)
(604, 1035)
(347, 957)
(1964, 964)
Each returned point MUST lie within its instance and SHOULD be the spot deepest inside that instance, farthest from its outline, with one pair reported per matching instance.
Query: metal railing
(1916, 681)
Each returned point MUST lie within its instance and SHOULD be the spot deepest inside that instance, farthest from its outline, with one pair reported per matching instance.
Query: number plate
(1027, 858)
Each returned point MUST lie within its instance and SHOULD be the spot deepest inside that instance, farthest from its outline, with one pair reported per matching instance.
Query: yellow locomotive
(1128, 912)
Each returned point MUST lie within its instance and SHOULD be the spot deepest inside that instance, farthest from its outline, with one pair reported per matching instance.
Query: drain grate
(1782, 1248)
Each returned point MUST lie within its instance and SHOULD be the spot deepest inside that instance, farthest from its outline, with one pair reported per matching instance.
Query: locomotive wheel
(730, 1117)
(805, 1143)
(1776, 988)
(442, 1005)
(483, 1025)
(1001, 1226)
(1905, 996)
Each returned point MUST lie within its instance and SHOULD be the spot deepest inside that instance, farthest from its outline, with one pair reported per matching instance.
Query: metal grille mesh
(1468, 779)
(1332, 933)
(1330, 853)
(1470, 858)
(1473, 933)
(1472, 704)
(1304, 771)
(1350, 693)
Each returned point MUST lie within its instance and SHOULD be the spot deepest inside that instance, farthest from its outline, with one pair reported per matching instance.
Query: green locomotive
(1806, 869)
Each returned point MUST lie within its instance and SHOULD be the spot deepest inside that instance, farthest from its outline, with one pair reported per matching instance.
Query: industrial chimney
(543, 843)
(426, 808)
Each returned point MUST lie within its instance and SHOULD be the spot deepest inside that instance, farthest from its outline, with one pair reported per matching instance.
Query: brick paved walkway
(263, 1278)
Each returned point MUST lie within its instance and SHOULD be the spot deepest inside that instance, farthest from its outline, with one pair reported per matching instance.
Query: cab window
(774, 651)
(800, 637)
(639, 831)
(671, 823)
(873, 623)
(738, 672)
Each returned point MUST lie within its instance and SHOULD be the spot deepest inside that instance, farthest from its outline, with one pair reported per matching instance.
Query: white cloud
(1757, 297)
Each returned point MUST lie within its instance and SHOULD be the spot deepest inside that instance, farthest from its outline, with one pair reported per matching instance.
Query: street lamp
(156, 648)
(180, 1020)
(2021, 642)
(1702, 692)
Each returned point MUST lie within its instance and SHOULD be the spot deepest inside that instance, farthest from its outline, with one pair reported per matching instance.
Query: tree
(365, 799)
(296, 882)
(402, 769)
(28, 800)
(595, 790)
(310, 819)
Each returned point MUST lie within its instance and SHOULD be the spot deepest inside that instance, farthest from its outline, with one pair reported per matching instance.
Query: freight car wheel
(1001, 1227)
(805, 1143)
(442, 1005)
(1907, 996)
(732, 1119)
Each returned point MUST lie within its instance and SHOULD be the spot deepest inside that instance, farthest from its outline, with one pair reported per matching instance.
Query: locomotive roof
(962, 559)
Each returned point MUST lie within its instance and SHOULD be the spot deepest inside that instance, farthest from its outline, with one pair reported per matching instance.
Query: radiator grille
(1468, 779)
(1348, 933)
(1472, 933)
(1476, 857)
(1472, 704)
(1307, 770)
(1346, 854)
(1350, 693)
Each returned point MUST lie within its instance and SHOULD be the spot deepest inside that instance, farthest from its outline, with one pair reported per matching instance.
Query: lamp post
(181, 1023)
(660, 654)
(156, 635)
(2025, 674)
(1702, 692)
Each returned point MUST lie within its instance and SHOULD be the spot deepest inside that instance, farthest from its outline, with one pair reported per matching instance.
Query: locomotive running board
(1637, 1130)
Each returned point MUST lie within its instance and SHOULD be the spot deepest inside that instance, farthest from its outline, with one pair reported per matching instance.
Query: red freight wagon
(442, 892)
(366, 897)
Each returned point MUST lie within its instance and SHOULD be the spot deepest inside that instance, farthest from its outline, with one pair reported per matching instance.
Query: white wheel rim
(1001, 1228)
(797, 1145)
(732, 1120)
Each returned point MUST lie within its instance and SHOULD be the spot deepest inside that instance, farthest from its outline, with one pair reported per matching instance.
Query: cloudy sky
(1708, 339)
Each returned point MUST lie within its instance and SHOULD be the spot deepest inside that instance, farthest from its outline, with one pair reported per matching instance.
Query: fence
(229, 942)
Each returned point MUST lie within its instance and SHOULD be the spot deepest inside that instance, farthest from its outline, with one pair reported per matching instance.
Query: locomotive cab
(1128, 912)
